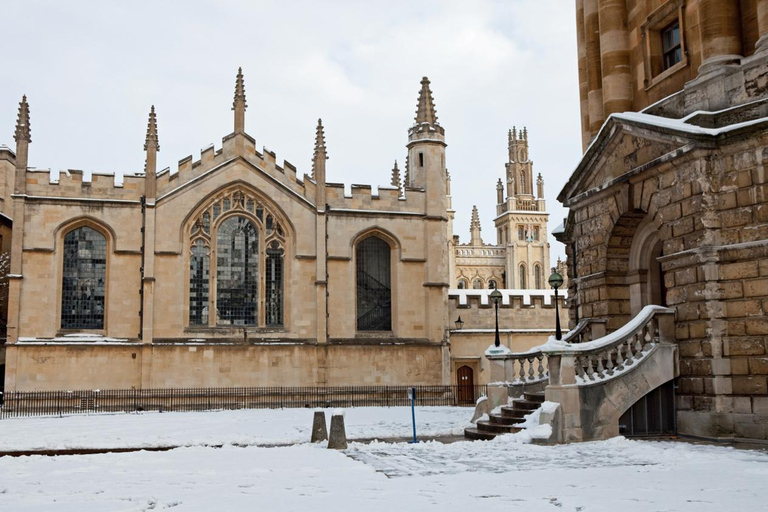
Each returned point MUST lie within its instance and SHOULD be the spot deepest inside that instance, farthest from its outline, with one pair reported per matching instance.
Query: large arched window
(237, 272)
(243, 285)
(521, 282)
(374, 291)
(84, 279)
(522, 182)
(537, 277)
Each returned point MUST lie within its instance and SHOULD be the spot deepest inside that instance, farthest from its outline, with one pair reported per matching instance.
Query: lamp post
(556, 281)
(496, 298)
(459, 324)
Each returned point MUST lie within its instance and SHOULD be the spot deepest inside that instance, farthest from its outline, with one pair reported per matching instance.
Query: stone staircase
(507, 420)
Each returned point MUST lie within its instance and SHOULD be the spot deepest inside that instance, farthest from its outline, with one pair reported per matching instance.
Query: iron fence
(58, 403)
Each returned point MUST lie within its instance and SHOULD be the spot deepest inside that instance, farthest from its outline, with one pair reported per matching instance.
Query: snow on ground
(616, 475)
(244, 427)
(504, 474)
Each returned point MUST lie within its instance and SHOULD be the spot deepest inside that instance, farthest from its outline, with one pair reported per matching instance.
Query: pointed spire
(509, 138)
(525, 133)
(239, 105)
(320, 155)
(474, 228)
(151, 142)
(22, 123)
(425, 111)
(396, 179)
(475, 218)
(514, 133)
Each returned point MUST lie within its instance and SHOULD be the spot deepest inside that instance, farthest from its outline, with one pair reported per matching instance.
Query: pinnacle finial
(22, 122)
(475, 218)
(151, 141)
(514, 133)
(509, 138)
(395, 182)
(239, 90)
(425, 111)
(499, 185)
(525, 133)
(320, 150)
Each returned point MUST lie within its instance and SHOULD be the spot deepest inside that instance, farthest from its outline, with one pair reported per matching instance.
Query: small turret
(474, 228)
(239, 105)
(151, 146)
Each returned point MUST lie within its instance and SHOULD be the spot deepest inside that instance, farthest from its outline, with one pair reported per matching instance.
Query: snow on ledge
(501, 350)
(506, 295)
(75, 338)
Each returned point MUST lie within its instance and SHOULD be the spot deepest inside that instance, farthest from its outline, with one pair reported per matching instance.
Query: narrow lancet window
(274, 285)
(199, 279)
(237, 272)
(374, 293)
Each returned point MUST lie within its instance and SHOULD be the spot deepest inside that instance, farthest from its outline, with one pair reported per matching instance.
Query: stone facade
(159, 226)
(520, 258)
(667, 205)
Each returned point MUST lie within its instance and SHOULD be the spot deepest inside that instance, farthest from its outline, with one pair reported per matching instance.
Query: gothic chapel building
(233, 271)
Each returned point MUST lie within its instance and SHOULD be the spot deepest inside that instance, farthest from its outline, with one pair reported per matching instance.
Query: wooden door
(466, 381)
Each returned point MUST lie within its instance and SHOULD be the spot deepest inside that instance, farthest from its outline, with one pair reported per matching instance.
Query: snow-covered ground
(504, 474)
(245, 427)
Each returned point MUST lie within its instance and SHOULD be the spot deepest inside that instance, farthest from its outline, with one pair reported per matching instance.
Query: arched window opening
(84, 279)
(199, 279)
(491, 284)
(522, 182)
(274, 287)
(477, 284)
(537, 277)
(462, 284)
(374, 293)
(521, 282)
(237, 272)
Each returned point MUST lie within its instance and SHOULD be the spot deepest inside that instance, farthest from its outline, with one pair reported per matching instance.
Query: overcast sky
(91, 70)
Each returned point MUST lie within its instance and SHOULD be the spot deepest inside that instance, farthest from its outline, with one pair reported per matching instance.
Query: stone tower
(521, 218)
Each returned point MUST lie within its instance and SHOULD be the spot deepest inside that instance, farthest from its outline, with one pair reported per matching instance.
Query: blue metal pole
(413, 412)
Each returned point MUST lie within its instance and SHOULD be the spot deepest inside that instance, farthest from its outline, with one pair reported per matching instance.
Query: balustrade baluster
(638, 345)
(648, 338)
(530, 368)
(580, 367)
(522, 368)
(600, 367)
(620, 356)
(540, 357)
(609, 363)
(590, 368)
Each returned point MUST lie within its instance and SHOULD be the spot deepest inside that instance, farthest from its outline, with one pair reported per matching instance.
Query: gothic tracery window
(374, 292)
(236, 267)
(84, 279)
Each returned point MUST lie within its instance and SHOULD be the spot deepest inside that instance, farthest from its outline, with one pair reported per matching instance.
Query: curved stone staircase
(507, 420)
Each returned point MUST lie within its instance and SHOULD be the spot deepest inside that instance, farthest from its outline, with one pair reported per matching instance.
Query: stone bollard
(319, 431)
(338, 437)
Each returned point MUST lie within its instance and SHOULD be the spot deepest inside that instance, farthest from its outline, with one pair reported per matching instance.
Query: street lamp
(459, 324)
(556, 281)
(496, 298)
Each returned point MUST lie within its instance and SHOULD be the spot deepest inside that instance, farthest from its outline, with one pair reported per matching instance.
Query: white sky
(91, 70)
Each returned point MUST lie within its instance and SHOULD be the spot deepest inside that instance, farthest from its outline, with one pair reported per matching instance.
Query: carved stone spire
(396, 179)
(509, 138)
(320, 155)
(239, 104)
(407, 180)
(540, 187)
(151, 146)
(151, 142)
(22, 123)
(474, 228)
(425, 111)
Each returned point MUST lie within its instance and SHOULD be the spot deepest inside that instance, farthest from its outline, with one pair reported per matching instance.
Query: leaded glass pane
(274, 286)
(249, 205)
(199, 273)
(226, 204)
(237, 272)
(207, 222)
(216, 211)
(84, 279)
(374, 295)
(260, 212)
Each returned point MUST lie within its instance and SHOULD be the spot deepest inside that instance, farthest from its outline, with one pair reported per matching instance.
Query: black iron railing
(55, 403)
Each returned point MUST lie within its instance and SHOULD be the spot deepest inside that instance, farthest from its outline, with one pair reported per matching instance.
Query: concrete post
(319, 431)
(338, 438)
(720, 31)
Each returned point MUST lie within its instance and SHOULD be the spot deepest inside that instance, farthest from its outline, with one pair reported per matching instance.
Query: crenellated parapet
(75, 184)
(362, 197)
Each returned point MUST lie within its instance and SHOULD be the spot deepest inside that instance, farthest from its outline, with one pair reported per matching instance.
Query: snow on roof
(559, 229)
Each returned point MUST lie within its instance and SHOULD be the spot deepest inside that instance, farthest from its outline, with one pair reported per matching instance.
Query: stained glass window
(374, 295)
(84, 279)
(274, 286)
(237, 272)
(199, 274)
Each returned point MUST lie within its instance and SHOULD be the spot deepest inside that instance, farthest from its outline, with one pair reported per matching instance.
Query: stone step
(474, 434)
(534, 397)
(525, 405)
(495, 428)
(511, 412)
(500, 419)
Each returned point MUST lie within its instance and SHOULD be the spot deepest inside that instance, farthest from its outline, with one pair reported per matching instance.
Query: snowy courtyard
(265, 462)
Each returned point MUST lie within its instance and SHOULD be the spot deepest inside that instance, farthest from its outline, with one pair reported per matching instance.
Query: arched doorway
(465, 377)
(646, 276)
